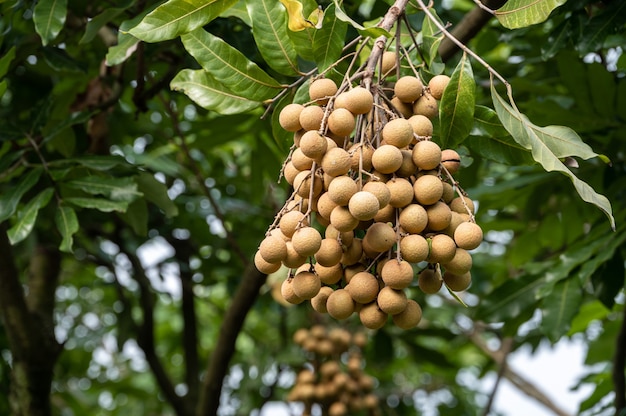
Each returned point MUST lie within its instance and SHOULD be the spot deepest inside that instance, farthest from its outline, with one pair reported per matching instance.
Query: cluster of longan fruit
(374, 202)
(334, 379)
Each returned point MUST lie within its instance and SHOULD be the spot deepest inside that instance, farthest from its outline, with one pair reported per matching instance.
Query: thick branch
(247, 292)
(619, 362)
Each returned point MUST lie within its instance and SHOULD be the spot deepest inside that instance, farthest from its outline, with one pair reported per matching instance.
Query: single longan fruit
(456, 220)
(428, 189)
(387, 159)
(457, 282)
(300, 161)
(306, 285)
(410, 317)
(352, 255)
(329, 275)
(407, 168)
(325, 205)
(290, 172)
(273, 249)
(341, 122)
(459, 206)
(372, 317)
(363, 287)
(426, 105)
(388, 64)
(401, 192)
(338, 409)
(368, 251)
(408, 88)
(414, 248)
(264, 266)
(293, 259)
(437, 85)
(286, 290)
(329, 253)
(448, 192)
(442, 249)
(397, 274)
(340, 304)
(321, 90)
(398, 132)
(353, 270)
(460, 264)
(345, 238)
(468, 235)
(311, 117)
(430, 281)
(313, 145)
(359, 101)
(422, 126)
(342, 219)
(336, 162)
(451, 160)
(391, 301)
(361, 157)
(289, 117)
(306, 241)
(439, 216)
(341, 189)
(426, 155)
(302, 184)
(413, 218)
(405, 109)
(381, 236)
(380, 191)
(363, 205)
(386, 214)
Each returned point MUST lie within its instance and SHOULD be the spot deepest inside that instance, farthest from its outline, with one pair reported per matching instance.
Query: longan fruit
(329, 253)
(273, 249)
(329, 275)
(300, 161)
(442, 249)
(286, 290)
(414, 248)
(422, 126)
(311, 117)
(407, 168)
(353, 253)
(293, 259)
(456, 220)
(264, 266)
(363, 287)
(338, 409)
(318, 302)
(428, 189)
(408, 88)
(336, 162)
(342, 220)
(363, 205)
(457, 282)
(413, 218)
(457, 205)
(313, 145)
(359, 100)
(386, 214)
(302, 184)
(387, 158)
(341, 122)
(451, 160)
(381, 236)
(429, 280)
(353, 270)
(426, 105)
(289, 117)
(300, 336)
(439, 216)
(344, 237)
(426, 155)
(372, 317)
(361, 157)
(321, 90)
(401, 191)
(405, 109)
(437, 85)
(325, 205)
(290, 172)
(380, 191)
(306, 241)
(410, 317)
(368, 251)
(341, 189)
(460, 264)
(391, 301)
(448, 192)
(468, 235)
(398, 132)
(306, 285)
(340, 304)
(397, 274)
(389, 62)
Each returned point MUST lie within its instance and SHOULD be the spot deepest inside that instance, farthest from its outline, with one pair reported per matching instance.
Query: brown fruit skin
(468, 235)
(340, 304)
(408, 88)
(405, 109)
(289, 117)
(311, 117)
(318, 302)
(329, 275)
(388, 62)
(321, 90)
(457, 282)
(313, 145)
(398, 132)
(363, 287)
(426, 106)
(457, 205)
(329, 253)
(306, 241)
(428, 189)
(439, 216)
(397, 274)
(426, 155)
(414, 248)
(290, 221)
(413, 218)
(391, 301)
(353, 253)
(422, 126)
(306, 285)
(410, 317)
(342, 220)
(460, 264)
(363, 205)
(451, 160)
(429, 281)
(407, 168)
(381, 236)
(380, 190)
(286, 289)
(442, 249)
(372, 317)
(341, 122)
(358, 100)
(387, 158)
(264, 266)
(437, 85)
(402, 193)
(341, 189)
(273, 249)
(336, 162)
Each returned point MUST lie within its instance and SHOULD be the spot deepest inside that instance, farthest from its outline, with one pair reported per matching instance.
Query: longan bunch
(375, 208)
(339, 388)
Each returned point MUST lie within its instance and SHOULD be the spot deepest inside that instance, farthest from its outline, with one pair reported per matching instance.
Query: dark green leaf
(72, 119)
(107, 15)
(328, 41)
(558, 40)
(456, 109)
(116, 189)
(10, 198)
(521, 13)
(372, 31)
(28, 215)
(101, 204)
(49, 18)
(601, 25)
(559, 308)
(510, 299)
(67, 224)
(60, 60)
(102, 163)
(592, 311)
(156, 192)
(603, 88)
(573, 73)
(6, 60)
(431, 39)
(137, 217)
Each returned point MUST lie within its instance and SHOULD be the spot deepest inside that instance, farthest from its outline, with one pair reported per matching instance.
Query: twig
(505, 350)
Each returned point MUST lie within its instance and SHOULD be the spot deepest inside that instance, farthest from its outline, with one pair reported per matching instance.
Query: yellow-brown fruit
(468, 235)
(428, 189)
(302, 184)
(410, 317)
(426, 105)
(397, 274)
(289, 117)
(407, 168)
(414, 248)
(381, 236)
(391, 301)
(371, 401)
(442, 249)
(363, 205)
(293, 259)
(342, 220)
(297, 136)
(325, 205)
(318, 302)
(372, 316)
(311, 117)
(380, 191)
(345, 237)
(398, 132)
(336, 162)
(286, 290)
(306, 285)
(448, 193)
(353, 253)
(300, 161)
(437, 85)
(405, 109)
(340, 304)
(338, 409)
(455, 220)
(401, 192)
(387, 159)
(363, 287)
(388, 64)
(462, 205)
(264, 266)
(439, 216)
(368, 251)
(306, 241)
(413, 218)
(429, 281)
(451, 160)
(426, 154)
(301, 335)
(329, 253)
(457, 282)
(313, 145)
(273, 249)
(329, 275)
(359, 101)
(361, 155)
(341, 189)
(329, 369)
(352, 270)
(341, 122)
(290, 221)
(290, 172)
(386, 214)
(422, 126)
(408, 88)
(460, 264)
(321, 90)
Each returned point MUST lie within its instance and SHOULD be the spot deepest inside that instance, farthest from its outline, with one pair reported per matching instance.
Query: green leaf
(72, 119)
(102, 163)
(547, 145)
(137, 216)
(116, 189)
(10, 198)
(67, 224)
(126, 43)
(521, 13)
(28, 215)
(431, 38)
(603, 88)
(208, 93)
(373, 32)
(59, 60)
(269, 28)
(230, 67)
(510, 299)
(101, 204)
(97, 22)
(176, 17)
(49, 18)
(6, 60)
(587, 313)
(456, 109)
(601, 25)
(3, 87)
(560, 307)
(328, 41)
(156, 192)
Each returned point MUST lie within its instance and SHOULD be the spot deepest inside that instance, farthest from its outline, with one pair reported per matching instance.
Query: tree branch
(619, 362)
